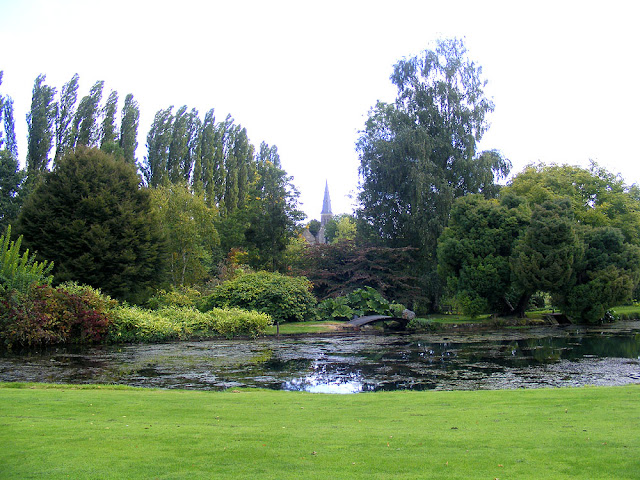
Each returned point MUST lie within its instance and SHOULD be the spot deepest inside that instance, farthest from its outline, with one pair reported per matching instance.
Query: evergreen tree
(64, 116)
(129, 129)
(40, 122)
(90, 217)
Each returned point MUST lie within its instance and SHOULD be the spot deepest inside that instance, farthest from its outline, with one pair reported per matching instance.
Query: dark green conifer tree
(90, 217)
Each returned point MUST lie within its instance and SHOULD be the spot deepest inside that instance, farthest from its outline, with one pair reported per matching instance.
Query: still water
(531, 358)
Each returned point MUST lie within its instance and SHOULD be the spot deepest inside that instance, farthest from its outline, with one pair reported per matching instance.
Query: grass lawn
(106, 432)
(633, 311)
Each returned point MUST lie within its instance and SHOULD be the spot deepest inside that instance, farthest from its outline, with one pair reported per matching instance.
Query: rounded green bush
(282, 297)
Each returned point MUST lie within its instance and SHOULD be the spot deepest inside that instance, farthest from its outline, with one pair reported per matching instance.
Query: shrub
(135, 324)
(20, 272)
(336, 308)
(362, 301)
(281, 297)
(176, 297)
(45, 315)
(421, 324)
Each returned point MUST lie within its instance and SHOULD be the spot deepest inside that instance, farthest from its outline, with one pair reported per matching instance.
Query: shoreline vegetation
(102, 431)
(442, 323)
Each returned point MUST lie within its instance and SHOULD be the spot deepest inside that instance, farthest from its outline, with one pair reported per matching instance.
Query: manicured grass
(72, 432)
(631, 311)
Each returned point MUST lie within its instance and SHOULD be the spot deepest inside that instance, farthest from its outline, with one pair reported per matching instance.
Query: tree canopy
(554, 230)
(420, 153)
(90, 217)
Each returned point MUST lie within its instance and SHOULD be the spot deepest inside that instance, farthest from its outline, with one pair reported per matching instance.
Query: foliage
(91, 218)
(40, 122)
(607, 275)
(108, 131)
(474, 252)
(129, 129)
(18, 271)
(64, 117)
(314, 227)
(419, 154)
(560, 238)
(362, 301)
(283, 298)
(11, 179)
(191, 236)
(340, 228)
(45, 315)
(86, 130)
(340, 268)
(597, 197)
(543, 258)
(135, 324)
(271, 216)
(180, 296)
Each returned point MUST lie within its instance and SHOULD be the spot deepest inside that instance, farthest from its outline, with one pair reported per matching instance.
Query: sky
(302, 75)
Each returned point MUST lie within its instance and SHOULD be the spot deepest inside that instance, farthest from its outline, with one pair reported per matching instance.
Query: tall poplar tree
(109, 133)
(203, 168)
(40, 121)
(85, 123)
(155, 169)
(129, 128)
(1, 109)
(9, 127)
(64, 117)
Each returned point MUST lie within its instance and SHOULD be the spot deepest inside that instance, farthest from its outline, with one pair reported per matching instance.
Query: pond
(341, 363)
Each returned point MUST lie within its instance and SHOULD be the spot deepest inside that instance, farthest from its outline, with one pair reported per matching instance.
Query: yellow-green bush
(135, 324)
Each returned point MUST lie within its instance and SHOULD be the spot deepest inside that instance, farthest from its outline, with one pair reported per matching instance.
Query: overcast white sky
(302, 75)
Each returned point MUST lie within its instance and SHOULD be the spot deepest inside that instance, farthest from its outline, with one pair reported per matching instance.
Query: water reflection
(607, 355)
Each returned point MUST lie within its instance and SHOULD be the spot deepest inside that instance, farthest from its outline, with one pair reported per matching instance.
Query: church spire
(326, 213)
(326, 203)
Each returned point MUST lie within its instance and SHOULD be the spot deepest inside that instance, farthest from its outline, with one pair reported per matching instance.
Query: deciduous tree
(40, 121)
(420, 153)
(129, 129)
(85, 124)
(64, 117)
(189, 227)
